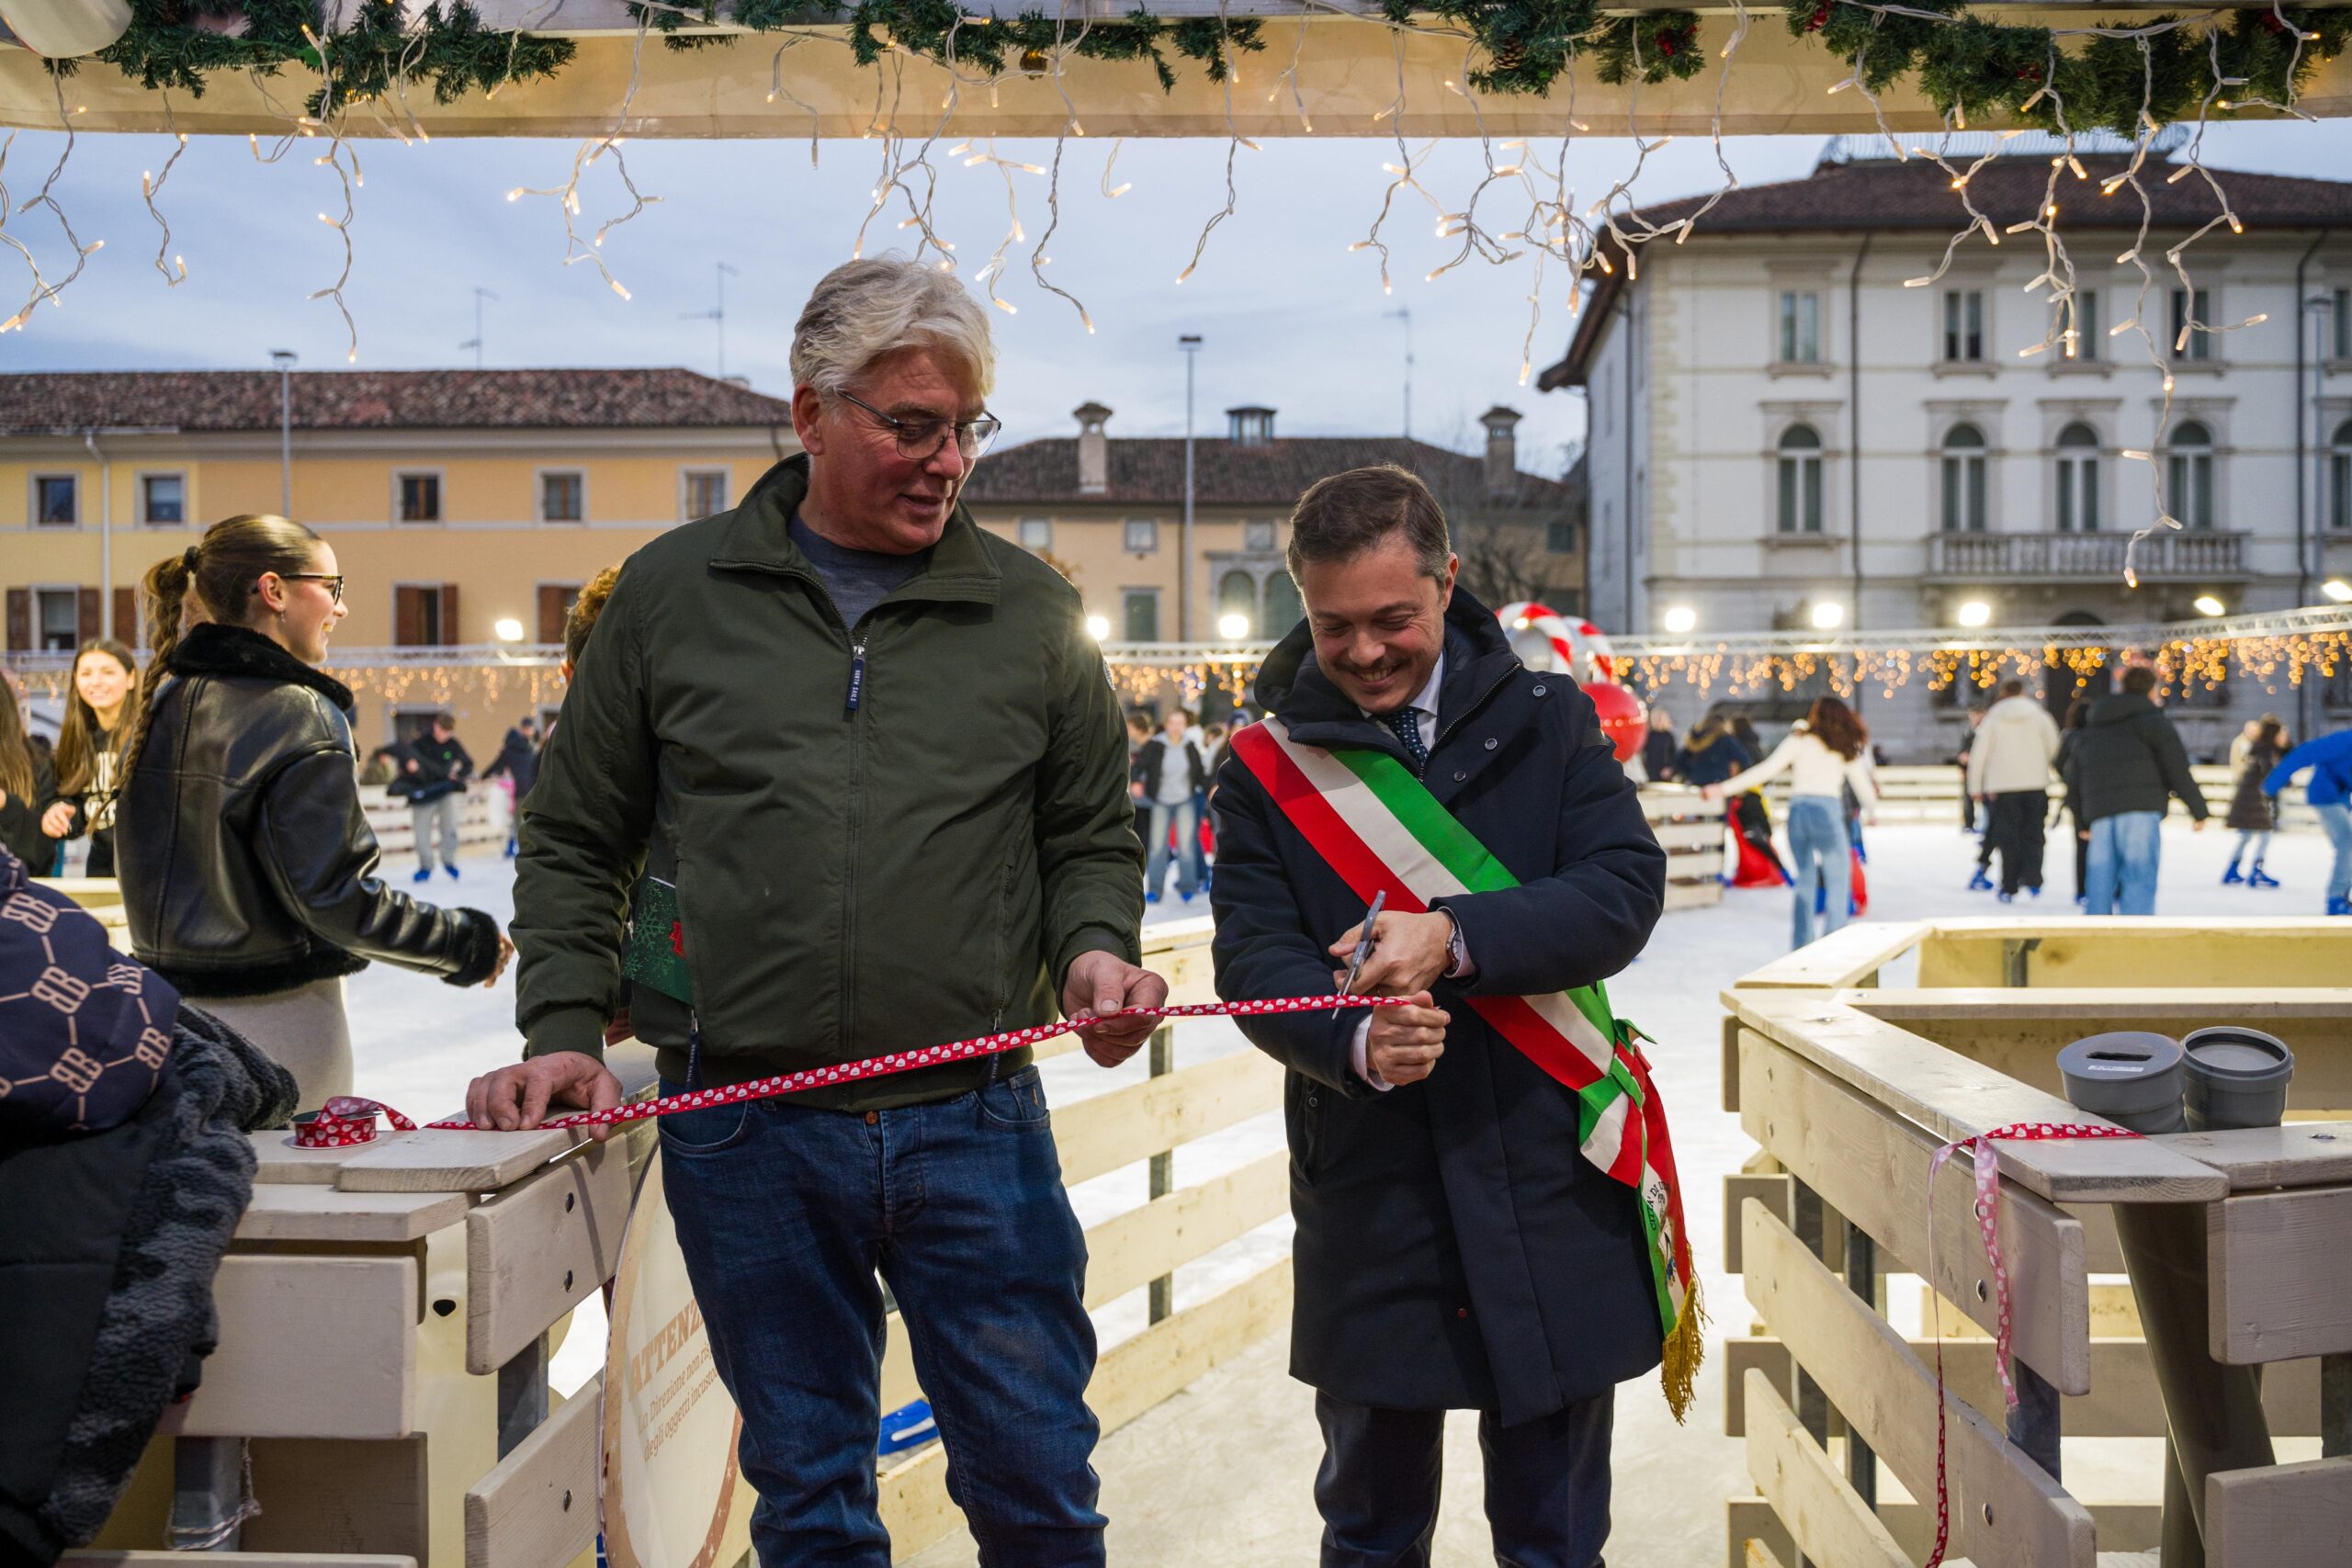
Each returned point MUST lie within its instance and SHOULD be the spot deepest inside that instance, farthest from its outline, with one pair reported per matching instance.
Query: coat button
(1462, 1311)
(872, 1117)
(1492, 742)
(1313, 1101)
(1459, 775)
(1539, 688)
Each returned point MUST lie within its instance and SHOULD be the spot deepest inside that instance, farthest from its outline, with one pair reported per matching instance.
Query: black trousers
(2017, 826)
(1547, 1485)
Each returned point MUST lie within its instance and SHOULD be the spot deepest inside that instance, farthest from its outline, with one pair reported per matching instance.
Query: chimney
(1093, 449)
(1502, 449)
(1250, 425)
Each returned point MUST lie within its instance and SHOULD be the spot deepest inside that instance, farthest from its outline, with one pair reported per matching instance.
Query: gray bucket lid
(2237, 1056)
(2124, 1074)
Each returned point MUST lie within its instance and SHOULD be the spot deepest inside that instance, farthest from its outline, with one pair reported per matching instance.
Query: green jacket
(916, 867)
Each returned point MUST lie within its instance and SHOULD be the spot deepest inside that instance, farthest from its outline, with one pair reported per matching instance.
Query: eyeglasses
(334, 582)
(918, 439)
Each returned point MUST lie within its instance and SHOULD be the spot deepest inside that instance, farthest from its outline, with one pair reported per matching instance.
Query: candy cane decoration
(1581, 647)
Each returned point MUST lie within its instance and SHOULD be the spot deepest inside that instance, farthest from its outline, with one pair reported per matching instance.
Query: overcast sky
(1291, 318)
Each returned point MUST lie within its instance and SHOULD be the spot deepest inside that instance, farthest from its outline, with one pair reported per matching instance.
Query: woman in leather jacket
(248, 870)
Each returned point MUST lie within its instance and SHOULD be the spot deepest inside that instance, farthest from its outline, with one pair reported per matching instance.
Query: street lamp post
(1190, 344)
(284, 359)
(2310, 526)
(1405, 313)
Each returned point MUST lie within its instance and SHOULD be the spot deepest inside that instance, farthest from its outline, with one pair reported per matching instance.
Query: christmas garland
(1967, 66)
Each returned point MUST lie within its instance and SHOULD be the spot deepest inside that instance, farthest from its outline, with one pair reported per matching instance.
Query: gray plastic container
(2132, 1077)
(2236, 1078)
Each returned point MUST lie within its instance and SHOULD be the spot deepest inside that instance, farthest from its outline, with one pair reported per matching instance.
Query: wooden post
(2034, 1425)
(1163, 1167)
(522, 1394)
(2334, 1406)
(208, 1493)
(1812, 1405)
(1862, 1278)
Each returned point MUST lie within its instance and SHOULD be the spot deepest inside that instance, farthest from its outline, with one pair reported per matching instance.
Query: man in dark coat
(1454, 1251)
(2123, 774)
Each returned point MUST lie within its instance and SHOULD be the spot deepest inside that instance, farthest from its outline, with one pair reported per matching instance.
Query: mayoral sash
(1376, 824)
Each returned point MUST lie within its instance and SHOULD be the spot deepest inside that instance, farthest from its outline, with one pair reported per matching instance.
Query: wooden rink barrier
(1691, 832)
(387, 1312)
(1929, 792)
(1850, 1062)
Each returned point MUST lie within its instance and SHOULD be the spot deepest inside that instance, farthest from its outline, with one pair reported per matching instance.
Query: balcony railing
(2199, 554)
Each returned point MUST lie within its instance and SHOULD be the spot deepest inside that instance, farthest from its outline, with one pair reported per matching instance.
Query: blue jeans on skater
(1188, 852)
(785, 1212)
(2335, 822)
(1818, 846)
(2124, 851)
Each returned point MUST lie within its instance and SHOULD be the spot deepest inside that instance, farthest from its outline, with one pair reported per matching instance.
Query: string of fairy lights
(1564, 248)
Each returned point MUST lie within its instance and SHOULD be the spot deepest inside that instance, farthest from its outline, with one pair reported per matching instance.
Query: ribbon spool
(345, 1122)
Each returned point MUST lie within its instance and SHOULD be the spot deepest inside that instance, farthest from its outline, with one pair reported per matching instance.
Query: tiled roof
(1150, 469)
(381, 399)
(1916, 195)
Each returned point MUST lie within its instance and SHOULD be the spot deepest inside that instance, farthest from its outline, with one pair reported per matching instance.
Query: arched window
(1282, 609)
(2188, 474)
(2078, 497)
(2339, 477)
(1800, 476)
(1237, 595)
(1964, 488)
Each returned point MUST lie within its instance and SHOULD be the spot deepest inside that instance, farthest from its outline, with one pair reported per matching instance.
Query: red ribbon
(1988, 1168)
(347, 1120)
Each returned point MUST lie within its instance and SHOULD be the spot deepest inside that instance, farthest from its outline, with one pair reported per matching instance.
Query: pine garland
(1969, 67)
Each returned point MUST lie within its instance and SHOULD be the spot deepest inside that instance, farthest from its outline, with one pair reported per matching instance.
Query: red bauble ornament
(1622, 716)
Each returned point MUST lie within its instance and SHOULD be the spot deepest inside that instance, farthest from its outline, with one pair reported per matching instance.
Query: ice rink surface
(1220, 1475)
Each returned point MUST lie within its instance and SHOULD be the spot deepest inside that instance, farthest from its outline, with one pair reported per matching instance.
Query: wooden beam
(538, 1248)
(1954, 1098)
(2005, 1509)
(233, 1560)
(537, 1508)
(1750, 1521)
(2301, 1153)
(2138, 954)
(1777, 1193)
(2285, 1513)
(2279, 1276)
(2124, 1401)
(1128, 1250)
(1107, 1131)
(1842, 958)
(1871, 1167)
(310, 1347)
(291, 1211)
(1825, 1517)
(433, 1159)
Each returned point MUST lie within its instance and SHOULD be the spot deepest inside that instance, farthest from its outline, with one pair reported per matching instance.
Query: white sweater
(1813, 769)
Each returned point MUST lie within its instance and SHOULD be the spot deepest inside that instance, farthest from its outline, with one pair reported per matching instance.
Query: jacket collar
(1291, 685)
(210, 649)
(758, 537)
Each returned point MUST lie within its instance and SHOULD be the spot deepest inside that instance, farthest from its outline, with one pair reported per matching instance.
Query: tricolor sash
(1376, 824)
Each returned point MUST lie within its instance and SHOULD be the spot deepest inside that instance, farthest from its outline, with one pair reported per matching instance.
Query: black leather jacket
(246, 864)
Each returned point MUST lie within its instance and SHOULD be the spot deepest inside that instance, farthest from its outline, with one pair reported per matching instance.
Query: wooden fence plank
(1954, 1098)
(232, 1560)
(310, 1347)
(1750, 1520)
(2301, 1153)
(2124, 1401)
(1108, 1131)
(1129, 1250)
(2005, 1509)
(1825, 1517)
(537, 1508)
(2284, 1514)
(534, 1251)
(446, 1160)
(1842, 958)
(1777, 1193)
(2279, 1275)
(1871, 1167)
(288, 1212)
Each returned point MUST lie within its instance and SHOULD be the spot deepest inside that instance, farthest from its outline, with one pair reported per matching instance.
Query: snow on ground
(417, 1044)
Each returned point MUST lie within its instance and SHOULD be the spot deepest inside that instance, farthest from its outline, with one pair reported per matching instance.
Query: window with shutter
(556, 600)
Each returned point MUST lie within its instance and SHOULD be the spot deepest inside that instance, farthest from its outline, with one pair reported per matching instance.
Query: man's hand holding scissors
(1405, 954)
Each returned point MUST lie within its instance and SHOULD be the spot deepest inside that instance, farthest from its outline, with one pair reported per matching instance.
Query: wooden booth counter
(387, 1312)
(1850, 1062)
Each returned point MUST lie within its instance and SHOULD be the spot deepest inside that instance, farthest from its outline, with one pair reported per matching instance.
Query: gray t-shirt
(857, 579)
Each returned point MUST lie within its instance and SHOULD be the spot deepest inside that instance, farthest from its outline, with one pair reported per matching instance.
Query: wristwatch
(1457, 952)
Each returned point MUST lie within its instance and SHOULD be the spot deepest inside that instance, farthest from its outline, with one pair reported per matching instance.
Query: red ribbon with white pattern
(348, 1120)
(1988, 1168)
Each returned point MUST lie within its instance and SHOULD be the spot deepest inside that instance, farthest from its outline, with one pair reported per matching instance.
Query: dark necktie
(1407, 724)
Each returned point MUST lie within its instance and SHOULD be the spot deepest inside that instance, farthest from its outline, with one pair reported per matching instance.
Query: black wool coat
(1454, 1251)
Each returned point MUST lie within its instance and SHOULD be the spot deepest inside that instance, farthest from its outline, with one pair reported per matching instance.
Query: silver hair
(863, 310)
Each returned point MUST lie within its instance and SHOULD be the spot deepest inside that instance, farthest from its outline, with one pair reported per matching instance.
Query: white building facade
(1784, 435)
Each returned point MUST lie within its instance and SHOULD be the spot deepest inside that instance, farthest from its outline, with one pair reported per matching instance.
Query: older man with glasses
(873, 751)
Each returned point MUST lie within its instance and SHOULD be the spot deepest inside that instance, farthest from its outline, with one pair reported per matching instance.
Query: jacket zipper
(856, 675)
(854, 815)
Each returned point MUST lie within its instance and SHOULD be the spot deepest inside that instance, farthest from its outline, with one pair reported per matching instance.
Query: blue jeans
(1817, 845)
(1188, 852)
(2335, 822)
(2122, 871)
(785, 1212)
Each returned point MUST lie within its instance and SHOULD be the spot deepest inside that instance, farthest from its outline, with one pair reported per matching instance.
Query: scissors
(1364, 946)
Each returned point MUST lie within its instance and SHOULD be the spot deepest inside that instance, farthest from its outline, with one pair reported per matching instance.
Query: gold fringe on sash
(1686, 1347)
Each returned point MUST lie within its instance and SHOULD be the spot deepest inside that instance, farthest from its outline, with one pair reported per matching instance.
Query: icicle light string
(1038, 259)
(174, 268)
(349, 177)
(1402, 169)
(777, 88)
(585, 157)
(1235, 142)
(42, 287)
